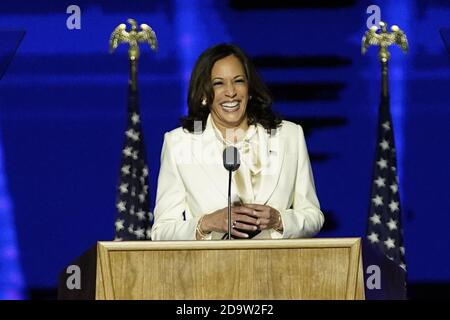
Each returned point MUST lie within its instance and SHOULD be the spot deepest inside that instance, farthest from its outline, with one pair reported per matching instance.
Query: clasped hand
(245, 217)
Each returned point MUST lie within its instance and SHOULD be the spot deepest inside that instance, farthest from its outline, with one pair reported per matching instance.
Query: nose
(230, 91)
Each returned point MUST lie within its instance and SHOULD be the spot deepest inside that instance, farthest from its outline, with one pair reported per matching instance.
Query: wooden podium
(223, 270)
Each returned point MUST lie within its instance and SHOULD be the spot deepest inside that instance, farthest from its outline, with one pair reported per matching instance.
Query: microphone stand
(231, 162)
(229, 204)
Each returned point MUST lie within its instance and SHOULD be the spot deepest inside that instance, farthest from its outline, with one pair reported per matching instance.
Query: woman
(273, 189)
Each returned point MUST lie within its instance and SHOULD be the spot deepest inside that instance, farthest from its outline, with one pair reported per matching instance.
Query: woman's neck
(233, 134)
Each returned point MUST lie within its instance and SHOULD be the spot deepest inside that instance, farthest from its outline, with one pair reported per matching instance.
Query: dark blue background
(63, 103)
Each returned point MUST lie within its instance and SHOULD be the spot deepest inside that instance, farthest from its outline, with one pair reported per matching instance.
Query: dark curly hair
(259, 107)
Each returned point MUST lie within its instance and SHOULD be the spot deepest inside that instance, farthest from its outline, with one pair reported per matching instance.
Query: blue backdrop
(63, 103)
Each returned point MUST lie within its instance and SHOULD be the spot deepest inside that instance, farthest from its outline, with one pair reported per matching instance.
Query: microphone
(231, 158)
(231, 162)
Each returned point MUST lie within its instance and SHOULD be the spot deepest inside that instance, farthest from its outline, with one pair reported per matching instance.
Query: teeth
(230, 104)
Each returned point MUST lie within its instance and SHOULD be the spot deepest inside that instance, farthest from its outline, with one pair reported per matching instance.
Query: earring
(250, 97)
(204, 102)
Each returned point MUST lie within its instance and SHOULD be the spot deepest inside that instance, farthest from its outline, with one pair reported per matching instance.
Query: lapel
(272, 158)
(208, 154)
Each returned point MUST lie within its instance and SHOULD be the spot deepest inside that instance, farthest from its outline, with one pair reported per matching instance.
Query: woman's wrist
(279, 225)
(205, 224)
(202, 231)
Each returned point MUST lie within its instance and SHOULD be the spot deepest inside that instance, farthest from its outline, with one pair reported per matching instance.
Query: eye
(240, 80)
(217, 83)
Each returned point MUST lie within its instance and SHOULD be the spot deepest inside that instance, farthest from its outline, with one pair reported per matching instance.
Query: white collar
(249, 134)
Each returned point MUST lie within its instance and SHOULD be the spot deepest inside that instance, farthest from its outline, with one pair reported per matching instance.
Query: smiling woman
(228, 109)
(274, 194)
(227, 61)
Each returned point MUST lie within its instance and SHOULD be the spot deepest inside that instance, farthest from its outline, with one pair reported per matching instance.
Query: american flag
(384, 229)
(134, 219)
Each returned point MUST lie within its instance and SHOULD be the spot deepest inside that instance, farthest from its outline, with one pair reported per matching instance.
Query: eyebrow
(219, 78)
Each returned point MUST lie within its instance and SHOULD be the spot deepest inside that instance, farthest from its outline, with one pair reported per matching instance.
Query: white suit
(192, 180)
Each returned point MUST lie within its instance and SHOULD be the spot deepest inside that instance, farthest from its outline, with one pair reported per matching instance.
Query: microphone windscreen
(231, 158)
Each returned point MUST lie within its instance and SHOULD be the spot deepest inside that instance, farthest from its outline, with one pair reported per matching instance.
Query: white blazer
(193, 181)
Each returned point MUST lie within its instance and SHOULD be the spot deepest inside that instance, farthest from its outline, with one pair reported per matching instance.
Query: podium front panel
(228, 270)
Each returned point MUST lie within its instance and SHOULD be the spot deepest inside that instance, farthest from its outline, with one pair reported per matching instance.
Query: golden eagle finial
(133, 37)
(384, 40)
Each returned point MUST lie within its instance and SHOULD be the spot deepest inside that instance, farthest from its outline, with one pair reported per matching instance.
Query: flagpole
(384, 229)
(384, 80)
(134, 218)
(133, 74)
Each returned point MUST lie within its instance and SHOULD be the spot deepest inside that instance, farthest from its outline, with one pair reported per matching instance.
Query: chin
(233, 120)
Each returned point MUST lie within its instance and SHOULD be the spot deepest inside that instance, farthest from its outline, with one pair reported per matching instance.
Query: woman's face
(230, 85)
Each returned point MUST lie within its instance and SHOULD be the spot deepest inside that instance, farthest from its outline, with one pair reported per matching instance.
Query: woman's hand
(267, 217)
(242, 218)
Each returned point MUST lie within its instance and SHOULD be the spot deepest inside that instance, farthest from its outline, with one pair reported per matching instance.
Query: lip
(230, 102)
(231, 109)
